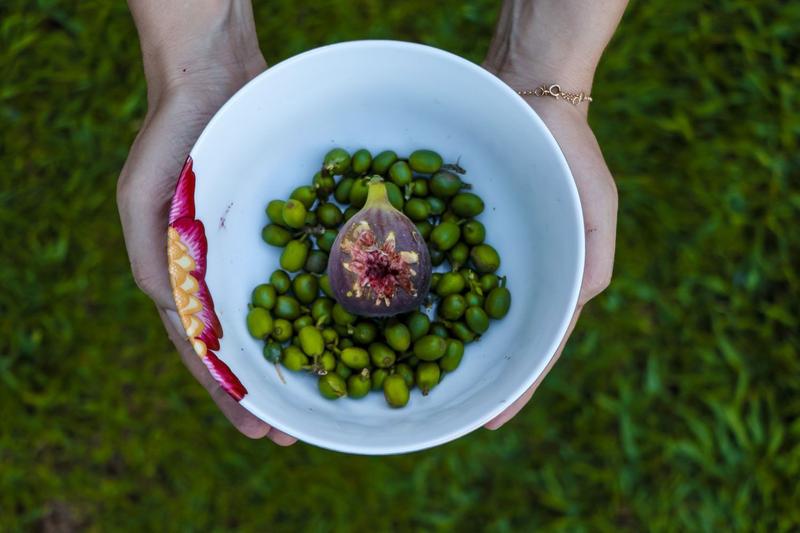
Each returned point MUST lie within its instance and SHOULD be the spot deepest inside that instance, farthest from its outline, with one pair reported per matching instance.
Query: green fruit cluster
(303, 327)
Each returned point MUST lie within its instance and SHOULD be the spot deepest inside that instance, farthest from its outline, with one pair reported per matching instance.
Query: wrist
(528, 53)
(214, 43)
(531, 74)
(552, 41)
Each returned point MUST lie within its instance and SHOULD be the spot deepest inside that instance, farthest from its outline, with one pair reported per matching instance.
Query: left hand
(561, 41)
(598, 194)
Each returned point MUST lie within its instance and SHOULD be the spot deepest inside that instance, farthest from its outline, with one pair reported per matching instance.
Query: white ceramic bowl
(271, 136)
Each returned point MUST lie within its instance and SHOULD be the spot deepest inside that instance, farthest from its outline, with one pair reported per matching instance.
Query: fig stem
(376, 193)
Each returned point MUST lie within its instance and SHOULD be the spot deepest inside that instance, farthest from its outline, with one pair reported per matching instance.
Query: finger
(512, 410)
(247, 423)
(598, 195)
(596, 188)
(280, 438)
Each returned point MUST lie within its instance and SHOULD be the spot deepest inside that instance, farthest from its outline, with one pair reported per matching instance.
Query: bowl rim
(491, 411)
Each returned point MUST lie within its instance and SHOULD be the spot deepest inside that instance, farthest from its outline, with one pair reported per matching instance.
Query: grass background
(675, 407)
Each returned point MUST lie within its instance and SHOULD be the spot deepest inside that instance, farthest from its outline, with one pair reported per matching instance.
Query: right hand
(192, 65)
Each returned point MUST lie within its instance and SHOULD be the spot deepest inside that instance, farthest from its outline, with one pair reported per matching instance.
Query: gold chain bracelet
(556, 92)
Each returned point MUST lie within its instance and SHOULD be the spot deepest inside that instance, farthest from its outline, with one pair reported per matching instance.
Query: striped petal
(207, 315)
(183, 200)
(208, 338)
(193, 236)
(187, 248)
(227, 380)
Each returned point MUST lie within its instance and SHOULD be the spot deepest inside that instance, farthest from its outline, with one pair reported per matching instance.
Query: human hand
(561, 41)
(193, 63)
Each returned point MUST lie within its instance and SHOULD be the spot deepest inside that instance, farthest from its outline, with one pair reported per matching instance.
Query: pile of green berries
(305, 329)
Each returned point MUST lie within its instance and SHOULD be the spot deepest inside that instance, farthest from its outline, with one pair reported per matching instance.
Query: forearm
(540, 41)
(185, 42)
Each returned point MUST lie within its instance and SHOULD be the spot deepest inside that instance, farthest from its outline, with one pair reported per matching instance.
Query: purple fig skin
(382, 219)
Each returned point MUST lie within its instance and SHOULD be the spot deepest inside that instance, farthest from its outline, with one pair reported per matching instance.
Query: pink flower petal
(207, 314)
(193, 235)
(224, 376)
(183, 200)
(207, 336)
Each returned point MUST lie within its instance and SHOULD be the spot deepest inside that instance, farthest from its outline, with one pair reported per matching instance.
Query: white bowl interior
(271, 137)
